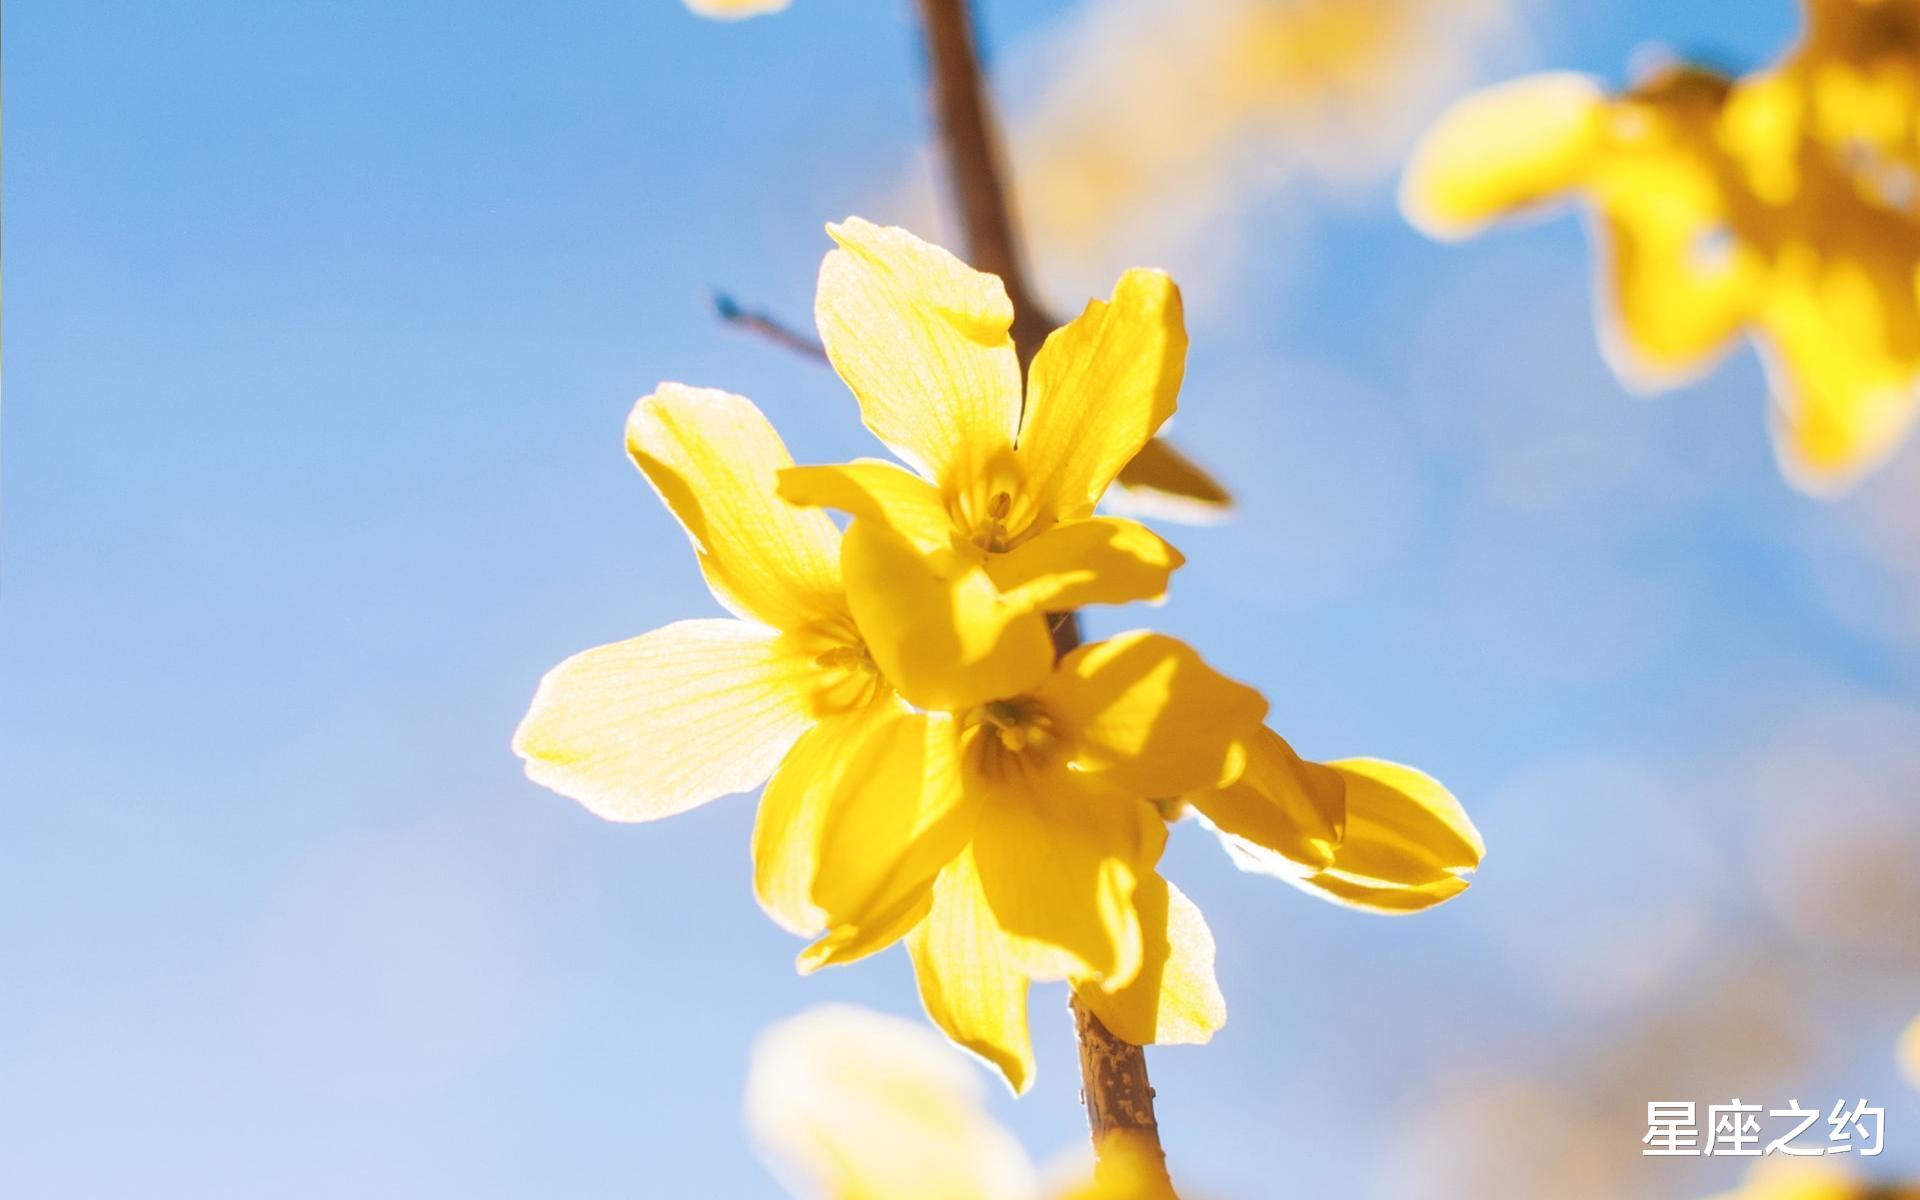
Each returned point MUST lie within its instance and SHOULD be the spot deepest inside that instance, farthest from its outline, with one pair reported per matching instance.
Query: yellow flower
(1910, 1053)
(653, 726)
(849, 1104)
(1723, 206)
(1362, 832)
(1036, 799)
(1000, 501)
(734, 10)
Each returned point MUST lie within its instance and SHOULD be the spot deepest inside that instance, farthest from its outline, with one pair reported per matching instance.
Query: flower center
(1012, 735)
(845, 676)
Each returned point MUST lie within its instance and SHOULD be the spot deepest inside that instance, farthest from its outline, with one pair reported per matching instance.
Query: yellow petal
(1403, 826)
(1500, 150)
(1282, 802)
(653, 726)
(896, 815)
(1674, 315)
(970, 981)
(876, 490)
(1843, 397)
(1408, 843)
(715, 460)
(852, 1105)
(922, 339)
(1144, 712)
(1059, 858)
(871, 934)
(1162, 482)
(1175, 1000)
(1100, 387)
(1093, 560)
(936, 625)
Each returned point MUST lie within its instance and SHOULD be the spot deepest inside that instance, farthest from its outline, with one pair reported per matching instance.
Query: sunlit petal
(970, 980)
(1146, 713)
(1099, 389)
(1175, 999)
(715, 460)
(922, 339)
(653, 726)
(1093, 560)
(1059, 859)
(876, 490)
(1293, 807)
(936, 625)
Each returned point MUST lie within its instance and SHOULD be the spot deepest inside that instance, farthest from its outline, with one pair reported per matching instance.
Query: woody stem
(1113, 1072)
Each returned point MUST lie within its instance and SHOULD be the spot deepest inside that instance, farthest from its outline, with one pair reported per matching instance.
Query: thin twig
(763, 325)
(1113, 1072)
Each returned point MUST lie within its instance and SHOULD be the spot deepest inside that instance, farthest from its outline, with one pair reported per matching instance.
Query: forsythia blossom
(936, 774)
(1780, 204)
(848, 1104)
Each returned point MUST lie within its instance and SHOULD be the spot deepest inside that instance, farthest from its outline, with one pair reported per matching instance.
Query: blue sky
(324, 320)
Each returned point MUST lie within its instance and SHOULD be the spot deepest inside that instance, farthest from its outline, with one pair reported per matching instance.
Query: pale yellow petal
(1282, 802)
(1502, 150)
(1162, 482)
(970, 980)
(1145, 713)
(936, 625)
(1092, 560)
(1100, 388)
(1059, 858)
(715, 460)
(1175, 1000)
(653, 726)
(880, 491)
(922, 340)
(848, 1104)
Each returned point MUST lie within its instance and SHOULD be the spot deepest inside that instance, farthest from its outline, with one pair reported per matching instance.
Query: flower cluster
(935, 772)
(1780, 204)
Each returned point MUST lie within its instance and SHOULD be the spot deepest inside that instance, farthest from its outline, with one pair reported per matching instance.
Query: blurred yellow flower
(849, 1104)
(734, 10)
(1910, 1053)
(1797, 1179)
(1362, 832)
(1781, 205)
(1152, 126)
(1002, 505)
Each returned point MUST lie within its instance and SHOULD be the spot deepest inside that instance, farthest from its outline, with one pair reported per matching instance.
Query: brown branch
(973, 163)
(763, 325)
(1113, 1072)
(1119, 1100)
